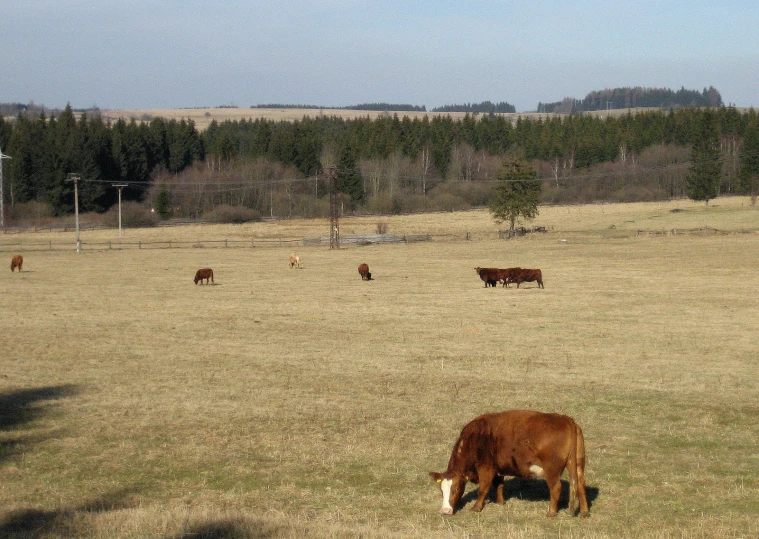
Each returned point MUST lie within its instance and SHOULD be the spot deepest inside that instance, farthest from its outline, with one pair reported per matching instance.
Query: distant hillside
(638, 97)
(381, 107)
(486, 107)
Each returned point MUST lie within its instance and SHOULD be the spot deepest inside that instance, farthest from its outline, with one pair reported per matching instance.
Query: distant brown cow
(294, 260)
(204, 273)
(490, 276)
(363, 270)
(526, 275)
(16, 262)
(519, 443)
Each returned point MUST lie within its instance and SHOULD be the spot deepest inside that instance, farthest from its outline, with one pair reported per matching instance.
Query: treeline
(486, 107)
(44, 150)
(388, 164)
(588, 139)
(389, 107)
(625, 98)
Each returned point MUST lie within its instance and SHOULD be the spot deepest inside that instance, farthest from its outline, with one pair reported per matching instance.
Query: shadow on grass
(67, 522)
(24, 406)
(531, 490)
(230, 529)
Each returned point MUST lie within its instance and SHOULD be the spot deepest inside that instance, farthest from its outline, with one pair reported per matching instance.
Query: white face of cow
(445, 486)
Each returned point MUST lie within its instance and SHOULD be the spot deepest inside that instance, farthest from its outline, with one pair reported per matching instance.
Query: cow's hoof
(551, 514)
(585, 515)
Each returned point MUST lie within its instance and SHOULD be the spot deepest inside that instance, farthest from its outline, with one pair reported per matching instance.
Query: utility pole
(334, 209)
(2, 208)
(75, 177)
(120, 186)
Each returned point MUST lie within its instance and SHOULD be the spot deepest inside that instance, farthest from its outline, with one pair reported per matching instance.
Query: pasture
(287, 402)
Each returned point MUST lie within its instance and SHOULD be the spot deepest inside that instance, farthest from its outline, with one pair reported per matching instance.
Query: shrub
(32, 212)
(133, 215)
(225, 213)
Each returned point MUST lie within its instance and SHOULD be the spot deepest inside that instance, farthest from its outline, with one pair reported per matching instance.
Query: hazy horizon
(134, 54)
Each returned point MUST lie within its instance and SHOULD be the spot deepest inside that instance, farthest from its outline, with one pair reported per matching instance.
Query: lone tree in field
(749, 160)
(517, 194)
(705, 160)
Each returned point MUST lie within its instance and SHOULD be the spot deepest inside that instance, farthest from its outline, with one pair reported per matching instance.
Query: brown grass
(284, 402)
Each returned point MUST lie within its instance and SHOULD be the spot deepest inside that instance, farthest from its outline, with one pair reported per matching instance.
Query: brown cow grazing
(294, 260)
(16, 262)
(489, 275)
(527, 275)
(519, 443)
(204, 273)
(363, 270)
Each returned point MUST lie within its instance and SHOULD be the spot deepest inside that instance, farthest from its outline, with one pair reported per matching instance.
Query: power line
(215, 185)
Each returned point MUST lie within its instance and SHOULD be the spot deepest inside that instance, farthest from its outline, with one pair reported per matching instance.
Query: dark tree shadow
(531, 490)
(24, 406)
(36, 523)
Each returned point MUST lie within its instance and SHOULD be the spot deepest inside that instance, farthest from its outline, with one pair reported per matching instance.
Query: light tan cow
(294, 260)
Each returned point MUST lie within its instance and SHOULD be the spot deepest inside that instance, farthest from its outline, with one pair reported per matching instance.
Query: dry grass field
(305, 402)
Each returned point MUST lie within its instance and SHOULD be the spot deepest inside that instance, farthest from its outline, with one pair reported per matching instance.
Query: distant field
(305, 402)
(204, 116)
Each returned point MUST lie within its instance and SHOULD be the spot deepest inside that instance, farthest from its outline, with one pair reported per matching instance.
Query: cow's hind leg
(499, 481)
(554, 488)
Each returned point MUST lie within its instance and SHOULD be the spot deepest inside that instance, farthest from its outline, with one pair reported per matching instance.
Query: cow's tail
(575, 439)
(212, 277)
(577, 496)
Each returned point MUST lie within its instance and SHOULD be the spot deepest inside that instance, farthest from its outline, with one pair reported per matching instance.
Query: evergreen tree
(349, 179)
(162, 201)
(517, 194)
(705, 160)
(749, 161)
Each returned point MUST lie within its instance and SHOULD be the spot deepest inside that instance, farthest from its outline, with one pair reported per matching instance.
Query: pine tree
(705, 160)
(749, 161)
(517, 194)
(349, 179)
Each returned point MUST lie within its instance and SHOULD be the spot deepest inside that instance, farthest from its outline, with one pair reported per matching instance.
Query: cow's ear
(436, 476)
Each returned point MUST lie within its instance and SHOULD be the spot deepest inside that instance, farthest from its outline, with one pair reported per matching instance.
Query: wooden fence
(355, 239)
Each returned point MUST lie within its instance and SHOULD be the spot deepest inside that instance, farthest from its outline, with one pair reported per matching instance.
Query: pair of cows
(206, 274)
(491, 276)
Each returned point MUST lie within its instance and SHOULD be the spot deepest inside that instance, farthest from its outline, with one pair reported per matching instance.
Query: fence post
(169, 244)
(139, 244)
(226, 243)
(109, 245)
(51, 245)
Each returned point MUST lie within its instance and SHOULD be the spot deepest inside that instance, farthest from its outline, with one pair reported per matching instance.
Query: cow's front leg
(486, 479)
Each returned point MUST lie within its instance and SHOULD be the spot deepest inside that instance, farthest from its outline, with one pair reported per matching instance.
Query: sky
(143, 54)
